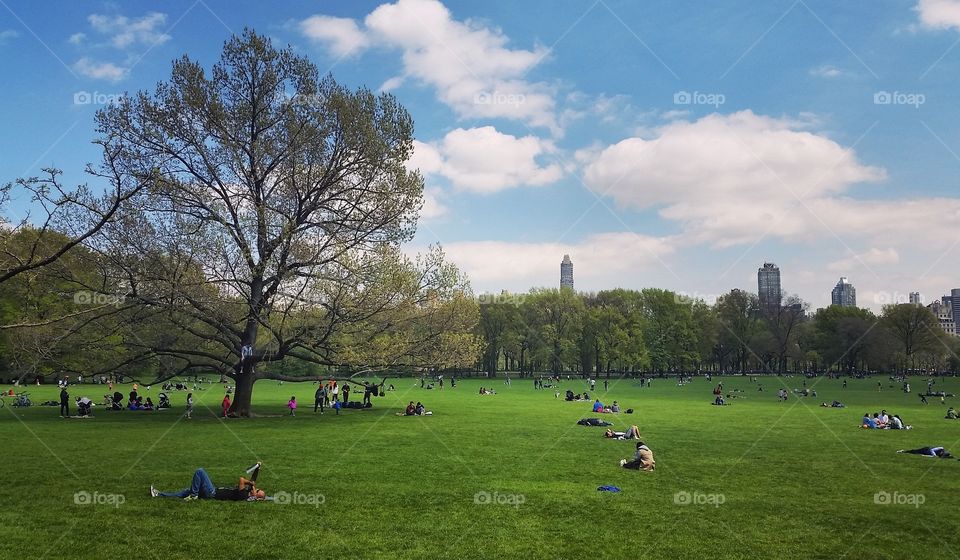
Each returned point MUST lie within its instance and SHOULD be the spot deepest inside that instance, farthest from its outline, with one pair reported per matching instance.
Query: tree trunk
(243, 393)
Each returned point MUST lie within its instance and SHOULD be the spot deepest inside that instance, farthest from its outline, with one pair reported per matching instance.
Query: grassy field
(499, 476)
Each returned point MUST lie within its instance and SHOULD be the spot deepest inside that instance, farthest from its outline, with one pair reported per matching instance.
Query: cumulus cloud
(125, 31)
(485, 160)
(100, 70)
(468, 64)
(341, 35)
(939, 14)
(493, 265)
(728, 179)
(826, 71)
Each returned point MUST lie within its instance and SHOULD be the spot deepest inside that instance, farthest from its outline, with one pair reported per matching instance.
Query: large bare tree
(270, 227)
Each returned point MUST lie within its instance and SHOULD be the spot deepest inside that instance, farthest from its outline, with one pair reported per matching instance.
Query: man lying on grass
(202, 487)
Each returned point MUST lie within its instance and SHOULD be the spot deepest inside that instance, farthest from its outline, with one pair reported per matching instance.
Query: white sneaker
(623, 462)
(153, 492)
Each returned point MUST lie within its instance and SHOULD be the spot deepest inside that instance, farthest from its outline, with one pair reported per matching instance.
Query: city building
(915, 298)
(844, 294)
(566, 272)
(768, 288)
(943, 309)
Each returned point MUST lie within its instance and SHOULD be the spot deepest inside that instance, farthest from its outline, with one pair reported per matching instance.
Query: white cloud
(432, 206)
(8, 34)
(494, 265)
(470, 65)
(77, 38)
(939, 14)
(728, 179)
(826, 71)
(872, 257)
(100, 70)
(485, 160)
(341, 35)
(125, 31)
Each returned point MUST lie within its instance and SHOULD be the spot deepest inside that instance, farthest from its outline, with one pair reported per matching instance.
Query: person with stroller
(201, 487)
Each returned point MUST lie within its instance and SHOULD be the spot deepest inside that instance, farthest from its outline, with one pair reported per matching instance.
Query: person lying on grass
(643, 459)
(201, 487)
(951, 414)
(632, 433)
(938, 451)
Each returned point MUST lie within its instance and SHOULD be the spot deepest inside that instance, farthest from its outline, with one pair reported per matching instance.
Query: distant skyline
(665, 145)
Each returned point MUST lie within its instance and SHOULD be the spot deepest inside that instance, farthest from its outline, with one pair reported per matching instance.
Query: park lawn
(499, 476)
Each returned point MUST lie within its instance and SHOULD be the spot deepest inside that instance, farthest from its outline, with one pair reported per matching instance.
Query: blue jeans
(201, 486)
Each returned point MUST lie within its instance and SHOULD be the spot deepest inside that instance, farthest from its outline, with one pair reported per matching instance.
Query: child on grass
(292, 405)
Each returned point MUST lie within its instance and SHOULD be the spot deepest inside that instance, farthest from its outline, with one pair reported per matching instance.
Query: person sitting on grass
(896, 423)
(868, 423)
(201, 487)
(938, 451)
(642, 460)
(632, 433)
(420, 410)
(84, 405)
(879, 421)
(411, 409)
(615, 407)
(719, 401)
(951, 414)
(598, 406)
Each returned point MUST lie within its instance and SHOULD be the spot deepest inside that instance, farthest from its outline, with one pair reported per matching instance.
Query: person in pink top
(292, 405)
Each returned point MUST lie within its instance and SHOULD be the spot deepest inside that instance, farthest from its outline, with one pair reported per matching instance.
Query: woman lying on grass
(632, 433)
(939, 452)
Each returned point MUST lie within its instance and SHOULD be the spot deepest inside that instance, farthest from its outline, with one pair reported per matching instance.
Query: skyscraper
(566, 272)
(915, 298)
(955, 304)
(844, 294)
(768, 287)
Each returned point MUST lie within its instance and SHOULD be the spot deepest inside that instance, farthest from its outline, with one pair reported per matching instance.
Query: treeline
(659, 331)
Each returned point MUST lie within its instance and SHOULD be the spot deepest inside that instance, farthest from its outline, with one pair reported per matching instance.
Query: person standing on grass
(64, 402)
(346, 393)
(225, 404)
(318, 399)
(292, 405)
(335, 393)
(189, 406)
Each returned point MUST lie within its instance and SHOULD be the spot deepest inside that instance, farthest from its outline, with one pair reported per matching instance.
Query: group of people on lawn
(883, 421)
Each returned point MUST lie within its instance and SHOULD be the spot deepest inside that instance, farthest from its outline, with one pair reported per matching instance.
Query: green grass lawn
(795, 480)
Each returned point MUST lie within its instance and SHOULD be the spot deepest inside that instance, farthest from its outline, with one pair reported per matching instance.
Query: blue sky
(676, 145)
